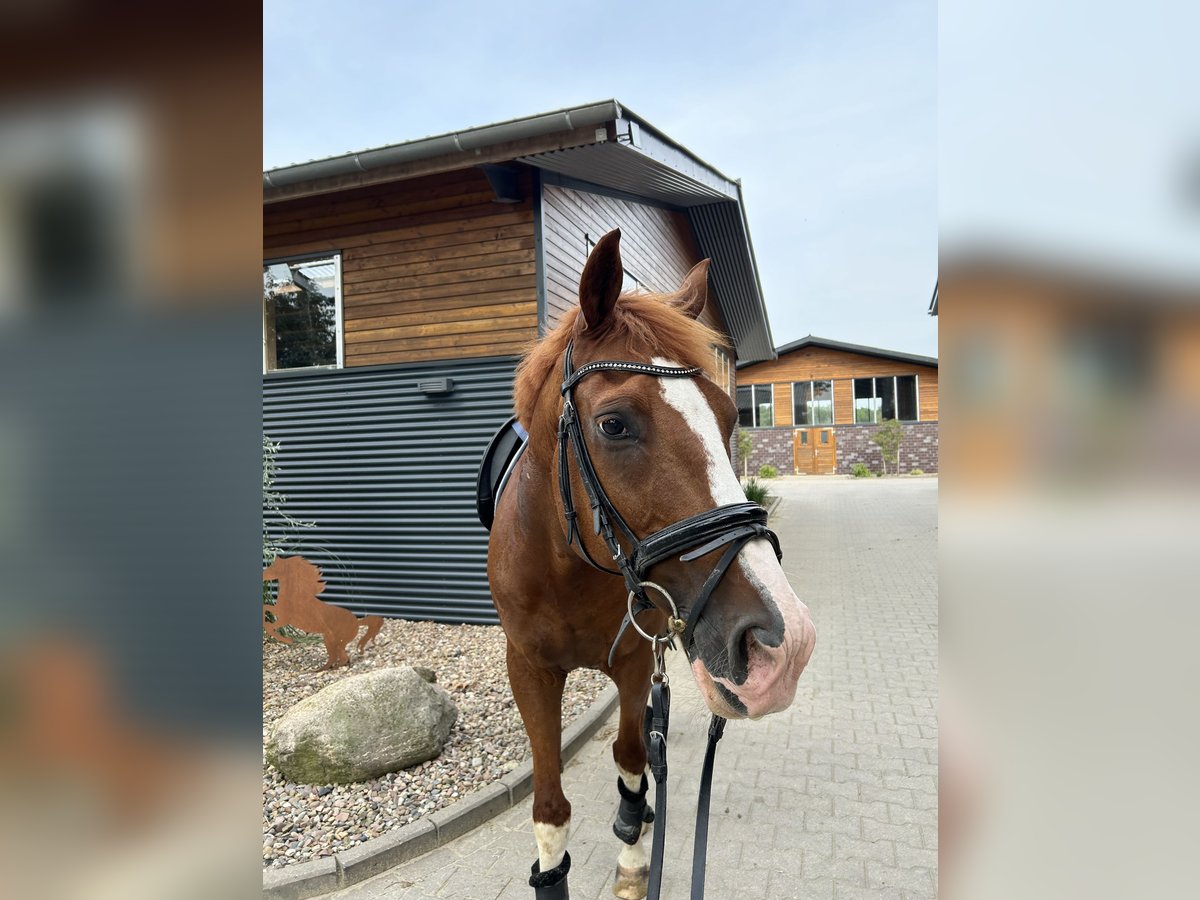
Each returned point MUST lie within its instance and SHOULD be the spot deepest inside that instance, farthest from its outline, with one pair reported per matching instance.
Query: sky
(826, 111)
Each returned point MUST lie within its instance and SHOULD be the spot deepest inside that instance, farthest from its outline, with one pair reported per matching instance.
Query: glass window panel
(885, 393)
(822, 403)
(866, 408)
(803, 437)
(801, 397)
(906, 397)
(824, 437)
(300, 313)
(745, 405)
(765, 405)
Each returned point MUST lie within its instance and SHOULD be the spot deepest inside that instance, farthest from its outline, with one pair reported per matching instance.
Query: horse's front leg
(538, 693)
(632, 826)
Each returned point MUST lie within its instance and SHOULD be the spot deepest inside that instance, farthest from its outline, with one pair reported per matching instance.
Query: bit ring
(675, 625)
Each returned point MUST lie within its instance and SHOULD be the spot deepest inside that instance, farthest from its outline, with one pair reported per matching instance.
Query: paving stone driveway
(835, 798)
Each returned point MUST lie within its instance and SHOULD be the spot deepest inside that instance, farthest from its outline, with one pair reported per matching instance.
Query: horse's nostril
(748, 641)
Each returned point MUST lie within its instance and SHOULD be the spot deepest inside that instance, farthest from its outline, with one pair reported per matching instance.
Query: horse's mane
(639, 326)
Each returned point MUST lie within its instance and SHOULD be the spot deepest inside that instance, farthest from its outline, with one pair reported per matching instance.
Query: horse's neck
(536, 493)
(298, 587)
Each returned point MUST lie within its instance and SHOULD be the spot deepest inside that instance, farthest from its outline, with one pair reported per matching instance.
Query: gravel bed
(303, 822)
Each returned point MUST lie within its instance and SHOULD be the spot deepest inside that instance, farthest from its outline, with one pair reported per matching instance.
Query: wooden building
(813, 409)
(400, 286)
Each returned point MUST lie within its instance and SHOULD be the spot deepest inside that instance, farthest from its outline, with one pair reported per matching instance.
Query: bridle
(731, 526)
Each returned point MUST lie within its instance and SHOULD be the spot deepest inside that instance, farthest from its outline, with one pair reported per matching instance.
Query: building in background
(813, 409)
(401, 284)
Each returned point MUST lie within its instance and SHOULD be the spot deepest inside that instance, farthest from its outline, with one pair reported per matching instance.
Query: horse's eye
(612, 426)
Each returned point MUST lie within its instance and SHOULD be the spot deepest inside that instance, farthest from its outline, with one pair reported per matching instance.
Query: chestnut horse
(659, 447)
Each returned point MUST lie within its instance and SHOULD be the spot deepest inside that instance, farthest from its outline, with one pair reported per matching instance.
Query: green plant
(276, 522)
(917, 472)
(766, 470)
(745, 446)
(860, 470)
(756, 491)
(888, 437)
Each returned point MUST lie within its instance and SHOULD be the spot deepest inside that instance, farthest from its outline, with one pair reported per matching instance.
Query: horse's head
(660, 448)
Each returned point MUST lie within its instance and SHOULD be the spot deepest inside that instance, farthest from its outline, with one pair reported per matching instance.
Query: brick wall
(772, 446)
(919, 450)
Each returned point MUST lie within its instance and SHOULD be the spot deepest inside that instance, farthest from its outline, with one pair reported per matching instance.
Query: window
(756, 407)
(890, 397)
(302, 313)
(720, 369)
(812, 403)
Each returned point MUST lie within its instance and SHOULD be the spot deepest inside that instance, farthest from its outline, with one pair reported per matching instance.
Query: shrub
(860, 470)
(766, 470)
(917, 472)
(756, 491)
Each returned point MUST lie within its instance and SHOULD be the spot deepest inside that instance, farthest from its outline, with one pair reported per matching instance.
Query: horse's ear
(600, 284)
(693, 293)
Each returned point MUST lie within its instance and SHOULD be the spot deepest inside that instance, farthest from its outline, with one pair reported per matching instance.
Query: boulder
(361, 727)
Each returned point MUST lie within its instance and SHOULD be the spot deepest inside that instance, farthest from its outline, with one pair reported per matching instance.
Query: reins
(731, 526)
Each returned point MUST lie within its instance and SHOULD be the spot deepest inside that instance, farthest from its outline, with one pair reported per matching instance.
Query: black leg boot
(633, 812)
(551, 885)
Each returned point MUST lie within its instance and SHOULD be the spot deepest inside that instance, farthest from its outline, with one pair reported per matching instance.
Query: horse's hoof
(631, 884)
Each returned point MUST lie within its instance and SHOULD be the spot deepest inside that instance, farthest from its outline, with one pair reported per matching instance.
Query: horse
(297, 605)
(633, 434)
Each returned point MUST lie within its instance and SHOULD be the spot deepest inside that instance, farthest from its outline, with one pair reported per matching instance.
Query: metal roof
(811, 341)
(641, 161)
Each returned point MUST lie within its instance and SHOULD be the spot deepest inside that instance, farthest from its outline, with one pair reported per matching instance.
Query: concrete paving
(836, 798)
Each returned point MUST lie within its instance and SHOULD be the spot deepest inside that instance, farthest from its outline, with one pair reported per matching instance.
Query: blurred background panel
(1069, 319)
(129, 449)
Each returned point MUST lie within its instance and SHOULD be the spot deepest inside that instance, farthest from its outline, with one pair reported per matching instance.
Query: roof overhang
(603, 144)
(860, 349)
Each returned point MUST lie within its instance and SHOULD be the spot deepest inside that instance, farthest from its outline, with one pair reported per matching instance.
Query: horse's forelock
(640, 326)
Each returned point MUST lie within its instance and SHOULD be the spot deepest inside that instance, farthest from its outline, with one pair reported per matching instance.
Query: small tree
(745, 446)
(889, 436)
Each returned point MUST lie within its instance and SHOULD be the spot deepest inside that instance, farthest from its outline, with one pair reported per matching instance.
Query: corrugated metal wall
(388, 475)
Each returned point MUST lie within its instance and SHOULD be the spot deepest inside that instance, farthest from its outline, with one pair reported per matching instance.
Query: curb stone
(347, 867)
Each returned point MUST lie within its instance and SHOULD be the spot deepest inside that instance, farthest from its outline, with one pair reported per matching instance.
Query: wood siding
(657, 246)
(432, 268)
(840, 367)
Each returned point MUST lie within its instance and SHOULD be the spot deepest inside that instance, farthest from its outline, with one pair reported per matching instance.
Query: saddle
(500, 458)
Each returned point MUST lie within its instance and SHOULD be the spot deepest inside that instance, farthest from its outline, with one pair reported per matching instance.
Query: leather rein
(731, 526)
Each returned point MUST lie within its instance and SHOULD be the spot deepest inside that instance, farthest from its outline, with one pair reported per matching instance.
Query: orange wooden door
(824, 441)
(814, 451)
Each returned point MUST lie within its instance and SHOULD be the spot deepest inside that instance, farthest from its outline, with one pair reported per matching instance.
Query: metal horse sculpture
(623, 427)
(298, 605)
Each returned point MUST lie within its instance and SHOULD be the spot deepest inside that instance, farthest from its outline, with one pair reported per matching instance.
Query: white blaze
(756, 559)
(686, 398)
